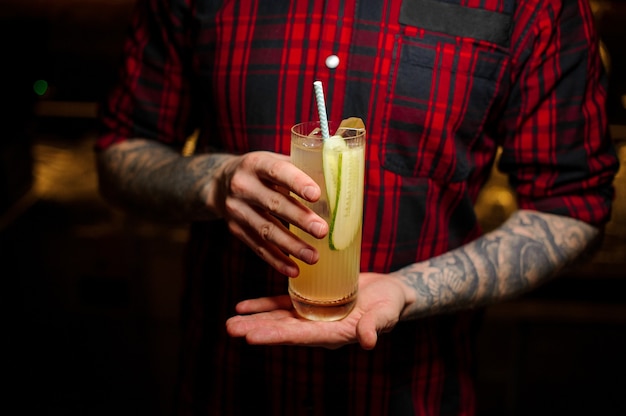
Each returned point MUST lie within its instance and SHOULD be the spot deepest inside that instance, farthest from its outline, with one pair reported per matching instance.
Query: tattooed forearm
(522, 254)
(155, 181)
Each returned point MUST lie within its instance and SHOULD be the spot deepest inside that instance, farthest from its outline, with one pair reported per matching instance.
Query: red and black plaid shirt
(440, 84)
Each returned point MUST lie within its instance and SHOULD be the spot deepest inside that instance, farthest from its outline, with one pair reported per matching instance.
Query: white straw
(321, 108)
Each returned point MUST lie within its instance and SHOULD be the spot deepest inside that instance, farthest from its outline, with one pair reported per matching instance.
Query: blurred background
(92, 294)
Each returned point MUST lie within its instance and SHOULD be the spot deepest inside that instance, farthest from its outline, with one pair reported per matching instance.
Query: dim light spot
(40, 87)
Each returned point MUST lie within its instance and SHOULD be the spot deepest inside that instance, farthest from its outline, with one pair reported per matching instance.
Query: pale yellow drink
(327, 290)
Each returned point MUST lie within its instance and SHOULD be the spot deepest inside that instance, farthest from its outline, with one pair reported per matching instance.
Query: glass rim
(359, 131)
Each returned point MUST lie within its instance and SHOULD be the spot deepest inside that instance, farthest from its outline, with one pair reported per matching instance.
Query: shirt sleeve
(556, 149)
(152, 96)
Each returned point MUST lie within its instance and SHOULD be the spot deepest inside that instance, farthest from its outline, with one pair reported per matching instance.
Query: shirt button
(332, 61)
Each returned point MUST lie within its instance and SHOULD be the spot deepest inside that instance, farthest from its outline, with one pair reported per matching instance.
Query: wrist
(213, 192)
(408, 294)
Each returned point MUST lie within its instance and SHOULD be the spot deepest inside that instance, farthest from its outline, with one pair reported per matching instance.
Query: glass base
(322, 311)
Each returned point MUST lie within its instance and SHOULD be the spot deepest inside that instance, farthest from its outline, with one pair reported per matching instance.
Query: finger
(270, 239)
(274, 198)
(241, 325)
(291, 210)
(264, 304)
(366, 331)
(281, 171)
(270, 253)
(293, 331)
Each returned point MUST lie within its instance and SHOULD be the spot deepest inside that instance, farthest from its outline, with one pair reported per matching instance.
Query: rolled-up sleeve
(152, 96)
(556, 151)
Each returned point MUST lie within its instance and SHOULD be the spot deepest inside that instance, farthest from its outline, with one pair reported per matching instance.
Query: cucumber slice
(331, 160)
(343, 174)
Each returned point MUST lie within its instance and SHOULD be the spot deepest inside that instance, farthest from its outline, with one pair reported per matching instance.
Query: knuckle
(274, 202)
(260, 251)
(266, 231)
(251, 160)
(231, 206)
(237, 184)
(275, 169)
(235, 230)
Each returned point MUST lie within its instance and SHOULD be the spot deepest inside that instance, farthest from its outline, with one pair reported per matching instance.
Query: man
(440, 85)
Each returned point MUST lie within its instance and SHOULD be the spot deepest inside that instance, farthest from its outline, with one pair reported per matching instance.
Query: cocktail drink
(327, 290)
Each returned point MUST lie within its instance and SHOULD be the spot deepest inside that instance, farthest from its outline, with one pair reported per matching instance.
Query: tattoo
(523, 253)
(151, 179)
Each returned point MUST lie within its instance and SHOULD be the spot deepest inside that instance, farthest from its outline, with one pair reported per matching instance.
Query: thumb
(367, 332)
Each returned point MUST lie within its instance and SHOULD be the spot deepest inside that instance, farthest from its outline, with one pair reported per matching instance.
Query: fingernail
(317, 229)
(307, 255)
(308, 193)
(290, 271)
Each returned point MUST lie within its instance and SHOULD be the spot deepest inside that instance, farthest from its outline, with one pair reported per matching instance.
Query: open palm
(273, 321)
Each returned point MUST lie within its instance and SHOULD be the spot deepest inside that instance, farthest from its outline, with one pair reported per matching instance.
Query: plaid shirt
(440, 84)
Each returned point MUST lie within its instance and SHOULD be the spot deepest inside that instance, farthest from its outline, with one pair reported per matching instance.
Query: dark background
(92, 294)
